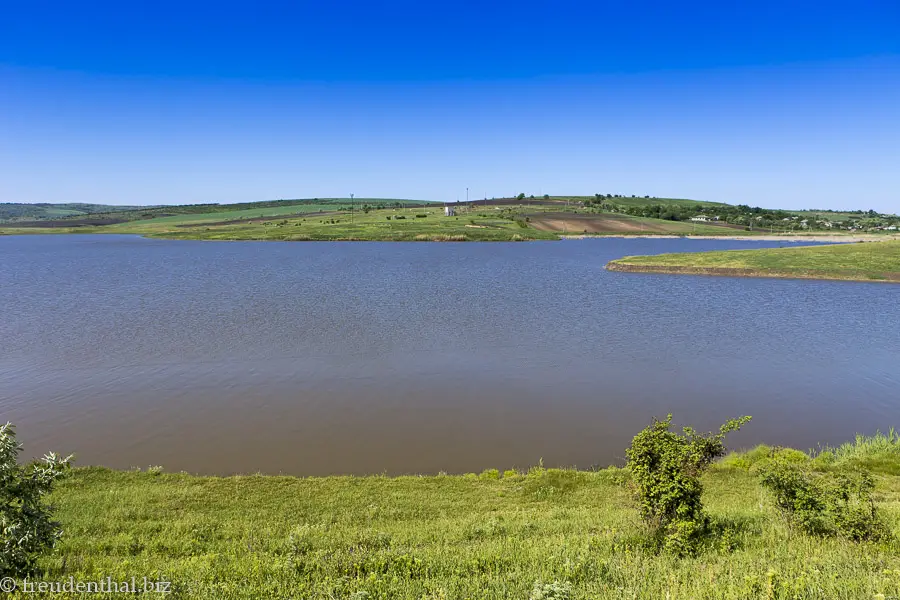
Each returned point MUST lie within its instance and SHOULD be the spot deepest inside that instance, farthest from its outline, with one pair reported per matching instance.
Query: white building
(449, 211)
(700, 219)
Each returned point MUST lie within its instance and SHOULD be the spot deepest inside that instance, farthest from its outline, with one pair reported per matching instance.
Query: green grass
(248, 213)
(879, 453)
(486, 225)
(470, 536)
(876, 261)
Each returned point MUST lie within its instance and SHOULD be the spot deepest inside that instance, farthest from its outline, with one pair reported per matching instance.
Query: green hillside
(14, 211)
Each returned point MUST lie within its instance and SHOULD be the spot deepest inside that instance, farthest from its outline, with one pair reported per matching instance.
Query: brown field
(566, 222)
(593, 223)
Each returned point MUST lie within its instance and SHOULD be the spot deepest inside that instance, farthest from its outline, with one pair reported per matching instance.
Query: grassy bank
(474, 536)
(858, 262)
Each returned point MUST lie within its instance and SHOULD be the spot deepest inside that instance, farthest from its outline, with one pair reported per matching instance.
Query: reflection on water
(314, 358)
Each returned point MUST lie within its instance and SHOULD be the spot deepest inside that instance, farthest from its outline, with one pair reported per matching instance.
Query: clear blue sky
(787, 104)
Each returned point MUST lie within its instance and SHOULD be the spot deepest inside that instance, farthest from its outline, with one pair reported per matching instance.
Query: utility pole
(351, 209)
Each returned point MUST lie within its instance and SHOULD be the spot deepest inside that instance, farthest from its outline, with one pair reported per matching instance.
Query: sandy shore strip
(741, 272)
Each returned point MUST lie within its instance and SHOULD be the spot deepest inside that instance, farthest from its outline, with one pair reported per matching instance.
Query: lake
(320, 358)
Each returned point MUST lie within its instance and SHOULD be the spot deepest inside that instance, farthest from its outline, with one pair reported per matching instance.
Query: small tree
(26, 525)
(666, 467)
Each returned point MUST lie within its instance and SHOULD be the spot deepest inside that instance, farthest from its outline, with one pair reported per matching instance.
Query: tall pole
(351, 208)
(467, 195)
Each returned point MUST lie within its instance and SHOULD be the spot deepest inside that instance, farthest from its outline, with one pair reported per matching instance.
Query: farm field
(563, 222)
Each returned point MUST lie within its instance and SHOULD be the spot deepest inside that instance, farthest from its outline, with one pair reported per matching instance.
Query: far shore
(836, 237)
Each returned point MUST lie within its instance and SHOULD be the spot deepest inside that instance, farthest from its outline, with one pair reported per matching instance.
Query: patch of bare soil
(592, 223)
(890, 277)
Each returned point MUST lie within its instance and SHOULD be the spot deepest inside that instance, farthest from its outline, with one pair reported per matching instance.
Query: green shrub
(666, 467)
(26, 524)
(825, 503)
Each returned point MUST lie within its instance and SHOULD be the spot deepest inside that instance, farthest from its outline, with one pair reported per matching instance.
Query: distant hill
(74, 215)
(641, 200)
(13, 211)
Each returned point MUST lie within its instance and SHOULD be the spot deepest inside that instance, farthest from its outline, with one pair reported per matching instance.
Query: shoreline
(749, 238)
(743, 272)
(814, 238)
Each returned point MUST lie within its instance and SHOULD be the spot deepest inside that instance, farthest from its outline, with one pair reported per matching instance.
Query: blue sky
(787, 104)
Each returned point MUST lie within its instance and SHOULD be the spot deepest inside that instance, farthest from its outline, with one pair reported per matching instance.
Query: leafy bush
(825, 503)
(666, 467)
(26, 525)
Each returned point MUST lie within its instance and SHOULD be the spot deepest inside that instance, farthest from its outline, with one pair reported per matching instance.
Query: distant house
(449, 211)
(700, 219)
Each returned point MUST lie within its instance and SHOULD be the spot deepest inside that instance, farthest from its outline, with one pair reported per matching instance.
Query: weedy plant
(26, 525)
(825, 503)
(557, 590)
(666, 467)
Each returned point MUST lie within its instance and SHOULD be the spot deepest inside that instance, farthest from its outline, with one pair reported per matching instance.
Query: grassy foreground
(879, 261)
(469, 536)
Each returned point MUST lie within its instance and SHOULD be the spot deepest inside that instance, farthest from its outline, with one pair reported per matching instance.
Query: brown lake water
(319, 358)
